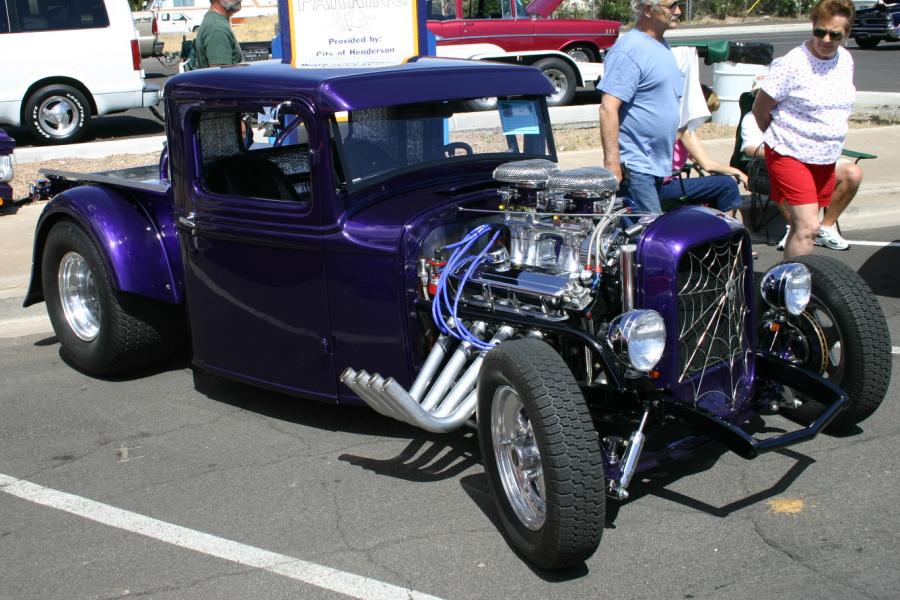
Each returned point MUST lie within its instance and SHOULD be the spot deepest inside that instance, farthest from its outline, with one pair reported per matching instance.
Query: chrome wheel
(830, 337)
(78, 296)
(59, 116)
(560, 82)
(518, 458)
(581, 54)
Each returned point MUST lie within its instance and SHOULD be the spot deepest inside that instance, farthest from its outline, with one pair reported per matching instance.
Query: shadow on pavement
(880, 272)
(427, 457)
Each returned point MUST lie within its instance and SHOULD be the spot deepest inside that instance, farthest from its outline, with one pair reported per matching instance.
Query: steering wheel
(451, 148)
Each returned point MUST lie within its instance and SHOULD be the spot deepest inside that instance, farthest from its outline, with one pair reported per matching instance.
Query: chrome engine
(556, 237)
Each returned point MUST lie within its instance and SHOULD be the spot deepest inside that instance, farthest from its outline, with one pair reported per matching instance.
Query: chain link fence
(692, 10)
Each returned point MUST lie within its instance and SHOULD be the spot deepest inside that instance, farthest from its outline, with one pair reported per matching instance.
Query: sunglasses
(670, 7)
(821, 32)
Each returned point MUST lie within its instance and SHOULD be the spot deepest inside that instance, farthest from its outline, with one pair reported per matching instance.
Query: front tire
(582, 53)
(102, 331)
(843, 336)
(57, 114)
(867, 43)
(541, 454)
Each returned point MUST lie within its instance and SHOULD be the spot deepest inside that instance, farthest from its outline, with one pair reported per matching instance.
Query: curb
(678, 32)
(140, 145)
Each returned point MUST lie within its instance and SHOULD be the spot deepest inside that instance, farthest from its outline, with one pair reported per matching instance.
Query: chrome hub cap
(58, 116)
(559, 81)
(518, 458)
(78, 296)
(831, 336)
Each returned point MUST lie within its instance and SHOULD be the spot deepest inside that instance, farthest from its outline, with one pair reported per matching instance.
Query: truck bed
(144, 178)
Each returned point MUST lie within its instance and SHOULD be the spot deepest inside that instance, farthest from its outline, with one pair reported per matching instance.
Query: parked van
(193, 10)
(65, 60)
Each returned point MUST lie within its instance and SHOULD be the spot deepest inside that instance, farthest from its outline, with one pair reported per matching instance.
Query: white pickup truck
(565, 73)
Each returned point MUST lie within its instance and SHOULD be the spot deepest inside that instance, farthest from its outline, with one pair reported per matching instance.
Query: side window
(254, 155)
(486, 9)
(441, 10)
(54, 15)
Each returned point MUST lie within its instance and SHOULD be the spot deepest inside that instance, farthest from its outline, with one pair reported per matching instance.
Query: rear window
(54, 15)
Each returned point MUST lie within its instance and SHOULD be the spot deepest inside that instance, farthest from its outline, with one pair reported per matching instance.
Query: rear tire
(57, 114)
(541, 454)
(563, 79)
(479, 104)
(102, 331)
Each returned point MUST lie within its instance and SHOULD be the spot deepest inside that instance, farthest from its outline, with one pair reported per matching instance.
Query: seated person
(848, 176)
(720, 191)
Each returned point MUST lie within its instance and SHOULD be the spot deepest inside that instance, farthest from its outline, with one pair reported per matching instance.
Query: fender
(140, 253)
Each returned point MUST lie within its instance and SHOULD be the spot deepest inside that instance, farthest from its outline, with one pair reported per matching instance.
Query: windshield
(375, 143)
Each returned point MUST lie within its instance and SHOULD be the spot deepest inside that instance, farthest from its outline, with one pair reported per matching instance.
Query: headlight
(6, 168)
(638, 336)
(787, 287)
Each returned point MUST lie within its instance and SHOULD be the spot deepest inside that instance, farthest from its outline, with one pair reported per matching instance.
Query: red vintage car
(517, 28)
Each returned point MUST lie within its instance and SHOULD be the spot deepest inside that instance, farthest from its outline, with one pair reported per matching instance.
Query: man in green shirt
(216, 44)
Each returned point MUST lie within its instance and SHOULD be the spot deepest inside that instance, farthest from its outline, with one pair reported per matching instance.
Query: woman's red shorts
(798, 182)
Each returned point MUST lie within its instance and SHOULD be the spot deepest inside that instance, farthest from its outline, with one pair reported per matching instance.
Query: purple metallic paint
(371, 267)
(665, 241)
(332, 90)
(134, 232)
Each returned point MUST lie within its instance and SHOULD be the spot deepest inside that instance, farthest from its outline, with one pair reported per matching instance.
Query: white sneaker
(830, 238)
(787, 232)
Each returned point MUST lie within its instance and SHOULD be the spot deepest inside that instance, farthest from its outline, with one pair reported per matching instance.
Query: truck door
(254, 274)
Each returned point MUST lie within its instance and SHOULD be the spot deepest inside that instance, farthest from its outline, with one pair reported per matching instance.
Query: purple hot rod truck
(369, 247)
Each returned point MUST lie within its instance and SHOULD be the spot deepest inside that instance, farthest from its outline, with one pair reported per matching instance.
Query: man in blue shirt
(639, 113)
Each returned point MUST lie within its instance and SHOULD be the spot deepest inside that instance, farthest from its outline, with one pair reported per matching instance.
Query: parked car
(881, 23)
(148, 34)
(7, 167)
(515, 27)
(64, 62)
(373, 251)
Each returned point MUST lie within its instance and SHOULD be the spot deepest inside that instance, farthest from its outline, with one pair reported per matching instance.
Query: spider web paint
(712, 308)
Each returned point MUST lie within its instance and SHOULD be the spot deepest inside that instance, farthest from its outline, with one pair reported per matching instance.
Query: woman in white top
(848, 177)
(802, 107)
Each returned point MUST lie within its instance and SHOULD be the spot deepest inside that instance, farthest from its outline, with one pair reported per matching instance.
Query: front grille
(875, 21)
(712, 306)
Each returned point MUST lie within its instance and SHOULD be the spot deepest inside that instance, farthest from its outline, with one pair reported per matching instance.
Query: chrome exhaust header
(448, 402)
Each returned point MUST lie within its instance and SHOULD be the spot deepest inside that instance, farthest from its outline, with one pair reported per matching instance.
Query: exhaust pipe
(434, 360)
(451, 399)
(456, 363)
(469, 379)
